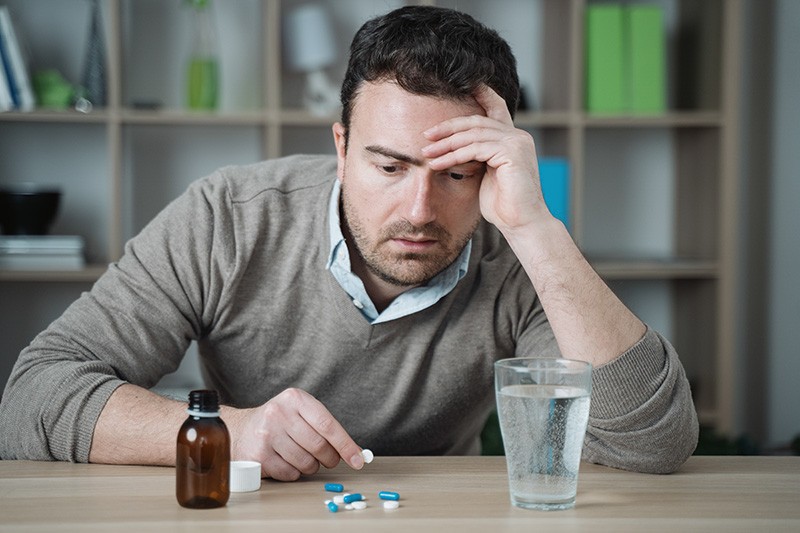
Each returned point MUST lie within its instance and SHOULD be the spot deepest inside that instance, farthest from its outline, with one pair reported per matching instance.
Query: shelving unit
(669, 250)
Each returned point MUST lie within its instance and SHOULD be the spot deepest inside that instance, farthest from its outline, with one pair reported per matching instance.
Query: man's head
(410, 70)
(429, 51)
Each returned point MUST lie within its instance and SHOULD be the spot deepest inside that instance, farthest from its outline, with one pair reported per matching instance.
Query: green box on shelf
(604, 63)
(646, 58)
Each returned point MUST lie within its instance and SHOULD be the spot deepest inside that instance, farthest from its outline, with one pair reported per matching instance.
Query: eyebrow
(387, 152)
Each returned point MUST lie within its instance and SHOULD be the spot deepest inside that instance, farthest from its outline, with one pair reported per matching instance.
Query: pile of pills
(391, 500)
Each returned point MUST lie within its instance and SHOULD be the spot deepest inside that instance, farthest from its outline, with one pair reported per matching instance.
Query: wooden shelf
(693, 119)
(667, 269)
(89, 274)
(44, 115)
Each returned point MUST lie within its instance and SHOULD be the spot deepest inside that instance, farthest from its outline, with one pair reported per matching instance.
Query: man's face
(408, 222)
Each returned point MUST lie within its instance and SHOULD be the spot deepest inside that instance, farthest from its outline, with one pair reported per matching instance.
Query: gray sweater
(238, 264)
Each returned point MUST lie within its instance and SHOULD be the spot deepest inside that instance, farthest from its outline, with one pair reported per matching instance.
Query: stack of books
(41, 252)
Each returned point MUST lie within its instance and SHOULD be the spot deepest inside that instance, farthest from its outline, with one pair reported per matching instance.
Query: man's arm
(589, 322)
(290, 435)
(642, 416)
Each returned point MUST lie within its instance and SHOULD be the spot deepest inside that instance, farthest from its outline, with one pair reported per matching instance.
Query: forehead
(386, 106)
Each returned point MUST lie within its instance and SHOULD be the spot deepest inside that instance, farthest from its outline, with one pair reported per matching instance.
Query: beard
(403, 269)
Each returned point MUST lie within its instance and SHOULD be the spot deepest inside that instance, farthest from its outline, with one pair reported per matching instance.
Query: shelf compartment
(77, 163)
(160, 163)
(154, 56)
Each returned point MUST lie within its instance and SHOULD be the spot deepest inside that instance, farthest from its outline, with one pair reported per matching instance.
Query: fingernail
(357, 461)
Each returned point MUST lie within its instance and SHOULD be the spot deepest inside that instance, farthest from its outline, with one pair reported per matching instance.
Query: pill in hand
(367, 455)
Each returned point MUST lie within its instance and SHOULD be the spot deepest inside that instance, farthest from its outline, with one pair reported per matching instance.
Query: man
(359, 301)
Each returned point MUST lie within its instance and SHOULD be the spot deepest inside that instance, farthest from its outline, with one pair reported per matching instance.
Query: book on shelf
(605, 69)
(554, 179)
(6, 102)
(41, 252)
(625, 58)
(646, 58)
(15, 68)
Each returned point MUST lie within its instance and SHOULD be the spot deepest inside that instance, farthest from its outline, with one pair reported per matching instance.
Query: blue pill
(333, 507)
(334, 487)
(350, 498)
(384, 495)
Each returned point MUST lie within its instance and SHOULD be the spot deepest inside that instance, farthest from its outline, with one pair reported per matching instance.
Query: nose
(420, 202)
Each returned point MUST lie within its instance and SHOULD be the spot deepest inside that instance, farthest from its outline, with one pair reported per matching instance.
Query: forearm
(589, 322)
(138, 427)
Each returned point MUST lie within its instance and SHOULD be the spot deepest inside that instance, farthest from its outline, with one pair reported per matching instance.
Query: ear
(338, 141)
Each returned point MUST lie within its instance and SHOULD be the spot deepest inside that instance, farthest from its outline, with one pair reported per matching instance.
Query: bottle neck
(202, 414)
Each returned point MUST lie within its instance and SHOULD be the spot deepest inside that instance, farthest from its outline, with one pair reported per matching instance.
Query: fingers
(493, 104)
(326, 426)
(464, 139)
(293, 434)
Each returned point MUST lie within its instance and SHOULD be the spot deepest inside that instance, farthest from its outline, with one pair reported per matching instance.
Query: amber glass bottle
(203, 455)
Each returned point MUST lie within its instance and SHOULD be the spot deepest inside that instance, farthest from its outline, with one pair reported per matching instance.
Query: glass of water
(543, 406)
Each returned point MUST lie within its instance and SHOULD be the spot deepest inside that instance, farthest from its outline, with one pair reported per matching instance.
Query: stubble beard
(408, 269)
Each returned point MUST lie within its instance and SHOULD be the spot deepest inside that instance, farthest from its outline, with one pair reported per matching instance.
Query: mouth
(414, 244)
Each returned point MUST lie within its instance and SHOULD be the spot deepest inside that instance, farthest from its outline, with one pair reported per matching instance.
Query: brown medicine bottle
(203, 455)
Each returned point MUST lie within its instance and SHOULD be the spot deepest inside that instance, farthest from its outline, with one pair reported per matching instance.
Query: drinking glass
(543, 407)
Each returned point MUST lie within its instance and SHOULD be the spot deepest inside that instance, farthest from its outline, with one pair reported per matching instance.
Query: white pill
(367, 455)
(391, 504)
(338, 499)
(349, 507)
(328, 501)
(359, 505)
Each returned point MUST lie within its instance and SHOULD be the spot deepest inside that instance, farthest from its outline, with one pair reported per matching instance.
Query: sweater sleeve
(133, 326)
(642, 416)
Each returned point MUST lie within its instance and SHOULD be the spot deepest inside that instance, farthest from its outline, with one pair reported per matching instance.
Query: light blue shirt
(409, 302)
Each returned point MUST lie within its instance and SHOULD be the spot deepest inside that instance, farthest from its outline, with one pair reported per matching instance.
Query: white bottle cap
(245, 476)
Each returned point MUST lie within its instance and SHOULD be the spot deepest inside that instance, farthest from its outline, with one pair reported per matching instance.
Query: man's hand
(290, 435)
(510, 195)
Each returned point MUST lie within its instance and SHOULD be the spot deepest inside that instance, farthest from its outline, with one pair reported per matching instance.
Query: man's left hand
(510, 194)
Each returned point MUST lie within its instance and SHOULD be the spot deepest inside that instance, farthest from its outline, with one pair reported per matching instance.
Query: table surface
(461, 494)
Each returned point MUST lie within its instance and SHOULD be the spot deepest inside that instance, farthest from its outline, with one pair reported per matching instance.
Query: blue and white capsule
(386, 495)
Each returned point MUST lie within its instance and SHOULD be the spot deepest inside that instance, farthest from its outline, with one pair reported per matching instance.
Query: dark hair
(430, 51)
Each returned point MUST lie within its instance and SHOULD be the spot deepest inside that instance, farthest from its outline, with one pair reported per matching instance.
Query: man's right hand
(290, 435)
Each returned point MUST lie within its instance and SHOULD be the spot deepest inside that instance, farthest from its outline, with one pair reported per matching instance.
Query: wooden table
(462, 494)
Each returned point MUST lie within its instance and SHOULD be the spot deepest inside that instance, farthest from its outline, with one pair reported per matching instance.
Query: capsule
(350, 498)
(333, 507)
(385, 495)
(334, 487)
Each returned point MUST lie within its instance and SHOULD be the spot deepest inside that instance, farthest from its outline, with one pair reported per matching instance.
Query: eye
(458, 176)
(389, 170)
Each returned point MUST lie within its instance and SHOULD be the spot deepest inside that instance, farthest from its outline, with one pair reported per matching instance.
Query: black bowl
(27, 209)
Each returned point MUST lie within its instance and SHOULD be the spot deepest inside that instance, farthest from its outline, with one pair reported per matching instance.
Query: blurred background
(686, 203)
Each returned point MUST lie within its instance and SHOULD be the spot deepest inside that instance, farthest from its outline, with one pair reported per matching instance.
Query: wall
(783, 398)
